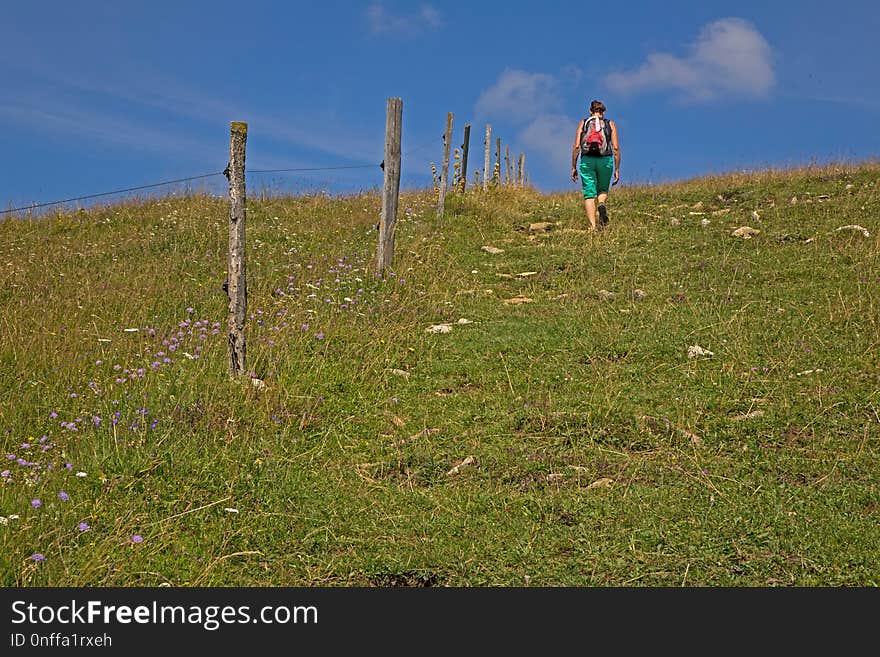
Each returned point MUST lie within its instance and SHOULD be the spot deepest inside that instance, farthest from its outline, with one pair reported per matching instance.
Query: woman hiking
(599, 150)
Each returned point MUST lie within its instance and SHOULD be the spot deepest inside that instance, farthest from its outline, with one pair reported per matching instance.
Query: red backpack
(594, 140)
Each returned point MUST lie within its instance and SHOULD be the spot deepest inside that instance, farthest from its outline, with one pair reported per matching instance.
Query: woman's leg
(590, 207)
(588, 184)
(604, 171)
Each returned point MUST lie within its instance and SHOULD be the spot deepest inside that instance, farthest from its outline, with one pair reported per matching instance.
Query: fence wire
(86, 197)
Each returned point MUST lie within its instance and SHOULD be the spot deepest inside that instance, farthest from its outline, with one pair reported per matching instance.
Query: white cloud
(549, 139)
(520, 96)
(106, 128)
(729, 58)
(68, 96)
(381, 21)
(532, 104)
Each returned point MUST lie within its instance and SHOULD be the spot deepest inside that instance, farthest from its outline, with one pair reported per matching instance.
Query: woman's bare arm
(575, 150)
(615, 149)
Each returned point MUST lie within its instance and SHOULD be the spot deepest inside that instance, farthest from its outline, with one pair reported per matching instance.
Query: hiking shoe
(603, 215)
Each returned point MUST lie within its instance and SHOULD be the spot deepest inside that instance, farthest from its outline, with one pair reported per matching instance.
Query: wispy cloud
(550, 137)
(382, 21)
(520, 96)
(82, 103)
(729, 58)
(532, 103)
(106, 128)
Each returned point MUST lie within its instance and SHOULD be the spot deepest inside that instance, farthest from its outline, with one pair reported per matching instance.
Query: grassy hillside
(564, 438)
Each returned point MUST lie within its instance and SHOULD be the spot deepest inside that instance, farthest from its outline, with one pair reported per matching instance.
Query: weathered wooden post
(391, 186)
(522, 169)
(496, 172)
(486, 164)
(444, 171)
(464, 154)
(235, 268)
(507, 163)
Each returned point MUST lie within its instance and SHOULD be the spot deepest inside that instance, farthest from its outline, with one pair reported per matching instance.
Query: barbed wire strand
(418, 148)
(78, 357)
(116, 191)
(34, 206)
(354, 166)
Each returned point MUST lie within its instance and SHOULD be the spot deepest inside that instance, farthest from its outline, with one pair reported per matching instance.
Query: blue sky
(100, 95)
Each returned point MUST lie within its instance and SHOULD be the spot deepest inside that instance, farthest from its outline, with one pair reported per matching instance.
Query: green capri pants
(596, 175)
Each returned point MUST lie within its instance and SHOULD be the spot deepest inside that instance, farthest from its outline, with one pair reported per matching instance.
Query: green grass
(600, 454)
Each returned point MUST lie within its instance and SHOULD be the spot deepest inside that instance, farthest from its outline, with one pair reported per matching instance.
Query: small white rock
(695, 351)
(745, 232)
(864, 231)
(469, 460)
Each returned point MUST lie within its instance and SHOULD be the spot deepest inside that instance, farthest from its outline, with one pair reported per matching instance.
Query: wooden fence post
(235, 268)
(522, 169)
(507, 163)
(391, 186)
(496, 172)
(464, 155)
(444, 171)
(486, 164)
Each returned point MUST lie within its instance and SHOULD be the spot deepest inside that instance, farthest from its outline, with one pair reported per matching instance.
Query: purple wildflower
(137, 538)
(38, 557)
(64, 497)
(83, 526)
(36, 503)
